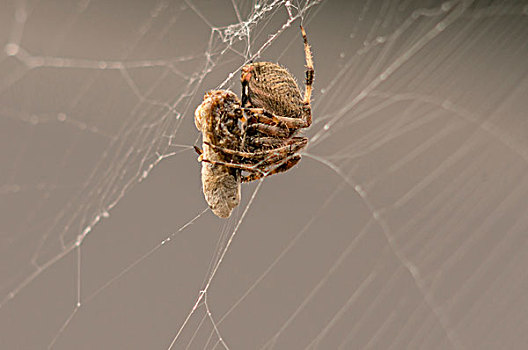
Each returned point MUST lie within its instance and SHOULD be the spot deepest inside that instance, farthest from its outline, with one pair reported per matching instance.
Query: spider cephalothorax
(255, 136)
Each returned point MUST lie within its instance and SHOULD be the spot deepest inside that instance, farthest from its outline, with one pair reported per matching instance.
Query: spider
(256, 135)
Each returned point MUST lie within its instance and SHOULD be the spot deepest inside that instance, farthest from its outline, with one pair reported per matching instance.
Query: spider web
(403, 227)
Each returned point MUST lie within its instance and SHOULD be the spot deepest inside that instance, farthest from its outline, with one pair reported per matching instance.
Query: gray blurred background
(405, 225)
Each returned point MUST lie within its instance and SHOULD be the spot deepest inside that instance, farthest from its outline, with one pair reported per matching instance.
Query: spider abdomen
(272, 87)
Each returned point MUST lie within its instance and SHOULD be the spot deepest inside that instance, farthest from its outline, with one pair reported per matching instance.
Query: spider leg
(262, 116)
(270, 124)
(310, 72)
(266, 141)
(277, 170)
(290, 146)
(275, 161)
(273, 130)
(257, 142)
(200, 152)
(249, 168)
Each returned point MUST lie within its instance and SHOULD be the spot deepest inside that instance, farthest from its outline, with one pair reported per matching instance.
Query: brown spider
(264, 142)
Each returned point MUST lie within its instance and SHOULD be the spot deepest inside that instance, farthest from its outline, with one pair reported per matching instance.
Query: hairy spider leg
(265, 122)
(256, 172)
(249, 168)
(266, 141)
(310, 72)
(285, 166)
(269, 123)
(292, 145)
